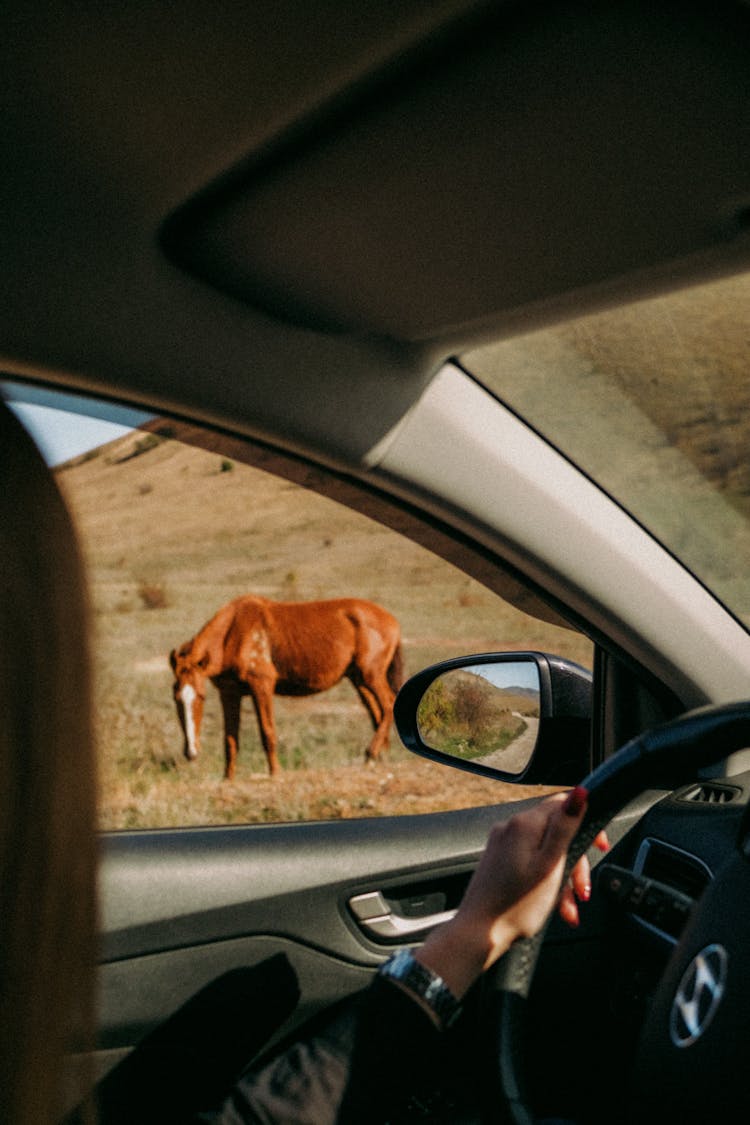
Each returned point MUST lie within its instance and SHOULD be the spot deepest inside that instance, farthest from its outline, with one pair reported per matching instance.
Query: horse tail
(396, 669)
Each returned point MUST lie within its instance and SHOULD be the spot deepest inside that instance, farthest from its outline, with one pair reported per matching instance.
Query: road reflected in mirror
(484, 713)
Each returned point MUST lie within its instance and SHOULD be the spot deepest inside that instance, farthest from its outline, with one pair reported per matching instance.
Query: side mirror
(520, 716)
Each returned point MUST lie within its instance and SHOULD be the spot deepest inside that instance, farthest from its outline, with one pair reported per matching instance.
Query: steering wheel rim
(663, 757)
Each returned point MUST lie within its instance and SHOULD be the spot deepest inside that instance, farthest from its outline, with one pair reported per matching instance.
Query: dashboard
(604, 994)
(653, 878)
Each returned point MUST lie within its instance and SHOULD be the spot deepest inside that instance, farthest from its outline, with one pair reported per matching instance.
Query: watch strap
(427, 986)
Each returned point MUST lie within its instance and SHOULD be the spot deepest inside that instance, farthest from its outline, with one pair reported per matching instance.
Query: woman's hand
(514, 888)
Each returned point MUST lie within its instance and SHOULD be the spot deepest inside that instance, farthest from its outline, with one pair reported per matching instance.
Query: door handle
(382, 920)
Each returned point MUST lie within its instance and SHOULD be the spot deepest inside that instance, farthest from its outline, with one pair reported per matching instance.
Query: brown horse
(260, 648)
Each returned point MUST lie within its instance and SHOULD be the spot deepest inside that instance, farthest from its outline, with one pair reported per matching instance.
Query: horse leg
(372, 703)
(373, 709)
(379, 741)
(378, 699)
(262, 695)
(368, 697)
(231, 698)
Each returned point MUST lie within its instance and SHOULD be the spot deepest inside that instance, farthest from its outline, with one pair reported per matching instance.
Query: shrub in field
(153, 595)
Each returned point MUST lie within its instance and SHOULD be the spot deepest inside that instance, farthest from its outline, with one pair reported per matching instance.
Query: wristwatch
(427, 986)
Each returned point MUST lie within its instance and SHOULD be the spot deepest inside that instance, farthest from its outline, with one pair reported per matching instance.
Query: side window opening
(176, 522)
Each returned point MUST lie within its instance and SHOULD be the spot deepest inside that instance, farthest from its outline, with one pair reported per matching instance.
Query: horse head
(189, 690)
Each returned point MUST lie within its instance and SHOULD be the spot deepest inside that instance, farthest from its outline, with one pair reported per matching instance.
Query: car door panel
(181, 907)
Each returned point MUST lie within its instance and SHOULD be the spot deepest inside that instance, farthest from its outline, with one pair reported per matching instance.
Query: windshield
(652, 400)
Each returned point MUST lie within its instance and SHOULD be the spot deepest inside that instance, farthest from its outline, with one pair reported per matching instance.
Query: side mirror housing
(517, 716)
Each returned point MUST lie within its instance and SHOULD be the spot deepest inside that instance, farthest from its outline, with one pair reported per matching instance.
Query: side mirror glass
(521, 716)
(485, 713)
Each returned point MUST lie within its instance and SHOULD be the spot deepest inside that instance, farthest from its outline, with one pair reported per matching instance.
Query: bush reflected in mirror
(486, 713)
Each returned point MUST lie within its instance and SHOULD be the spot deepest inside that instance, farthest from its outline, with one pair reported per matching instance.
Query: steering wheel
(688, 1031)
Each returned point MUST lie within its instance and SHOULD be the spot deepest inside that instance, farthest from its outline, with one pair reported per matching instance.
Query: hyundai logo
(698, 996)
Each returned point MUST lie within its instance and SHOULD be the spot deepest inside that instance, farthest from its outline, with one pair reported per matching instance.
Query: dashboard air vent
(710, 794)
(673, 867)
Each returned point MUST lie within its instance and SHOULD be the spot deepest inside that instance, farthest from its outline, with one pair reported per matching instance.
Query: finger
(532, 825)
(601, 841)
(575, 802)
(568, 907)
(564, 820)
(580, 879)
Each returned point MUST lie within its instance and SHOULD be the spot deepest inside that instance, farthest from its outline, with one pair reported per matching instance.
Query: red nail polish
(575, 801)
(586, 892)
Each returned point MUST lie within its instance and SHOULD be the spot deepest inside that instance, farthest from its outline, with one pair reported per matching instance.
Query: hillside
(170, 533)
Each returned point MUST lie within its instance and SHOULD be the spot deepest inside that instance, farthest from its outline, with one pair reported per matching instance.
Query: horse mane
(206, 648)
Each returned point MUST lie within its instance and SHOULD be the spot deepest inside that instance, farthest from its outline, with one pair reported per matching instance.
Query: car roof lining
(123, 120)
(453, 184)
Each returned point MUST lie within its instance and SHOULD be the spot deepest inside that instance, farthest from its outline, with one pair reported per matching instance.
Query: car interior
(437, 265)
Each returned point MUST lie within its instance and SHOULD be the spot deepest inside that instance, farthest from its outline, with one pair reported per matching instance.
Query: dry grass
(170, 535)
(334, 793)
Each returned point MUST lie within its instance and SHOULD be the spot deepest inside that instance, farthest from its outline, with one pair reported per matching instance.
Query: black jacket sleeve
(403, 1067)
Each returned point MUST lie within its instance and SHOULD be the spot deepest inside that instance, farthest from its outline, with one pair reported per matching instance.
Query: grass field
(170, 533)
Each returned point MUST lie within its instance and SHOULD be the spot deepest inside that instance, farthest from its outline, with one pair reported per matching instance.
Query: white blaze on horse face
(188, 696)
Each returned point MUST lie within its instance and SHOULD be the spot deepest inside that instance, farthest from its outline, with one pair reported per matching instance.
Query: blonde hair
(47, 789)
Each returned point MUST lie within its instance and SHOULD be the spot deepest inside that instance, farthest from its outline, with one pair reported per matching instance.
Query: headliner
(260, 212)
